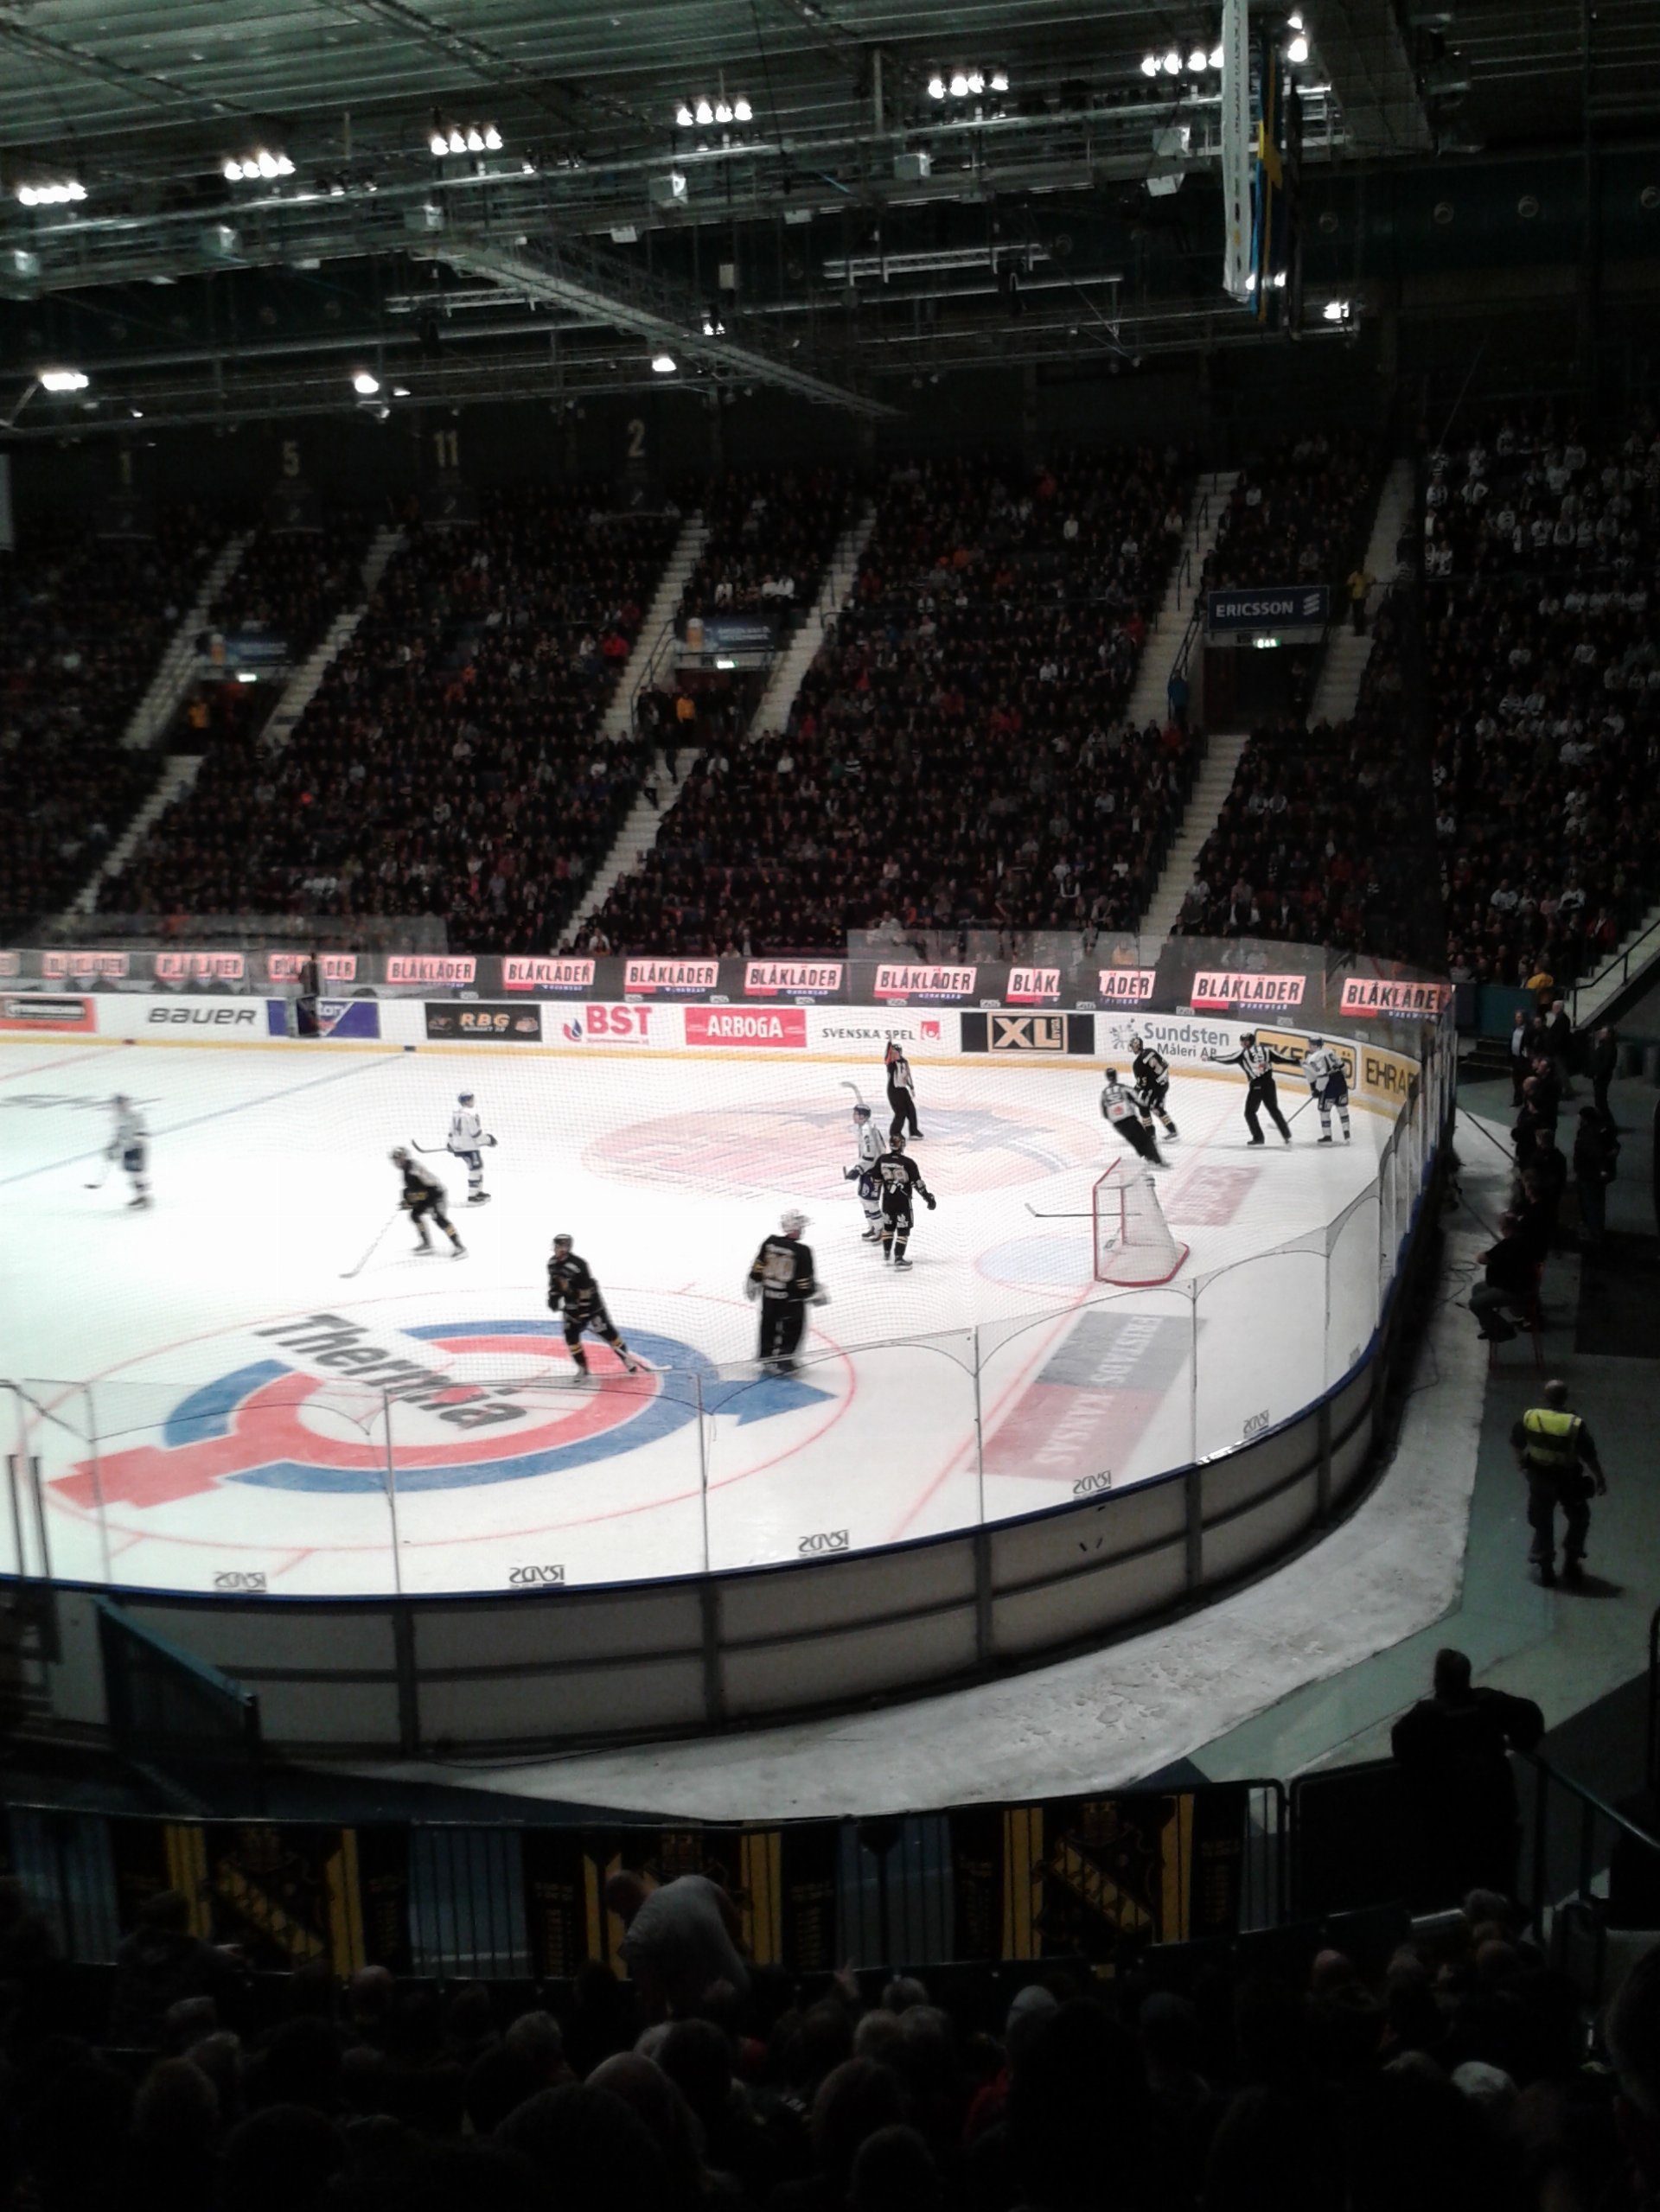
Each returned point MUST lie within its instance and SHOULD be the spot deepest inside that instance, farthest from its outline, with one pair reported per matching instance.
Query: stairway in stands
(653, 646)
(1215, 781)
(302, 685)
(645, 818)
(1164, 639)
(176, 669)
(784, 680)
(1337, 693)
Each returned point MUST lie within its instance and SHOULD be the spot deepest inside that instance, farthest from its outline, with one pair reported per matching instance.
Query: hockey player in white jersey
(863, 1172)
(1125, 1116)
(467, 1140)
(130, 1145)
(1328, 1085)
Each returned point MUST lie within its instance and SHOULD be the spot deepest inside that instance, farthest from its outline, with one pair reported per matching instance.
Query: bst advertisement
(769, 1027)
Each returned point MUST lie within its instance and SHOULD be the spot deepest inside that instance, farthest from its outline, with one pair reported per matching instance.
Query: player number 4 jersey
(466, 1130)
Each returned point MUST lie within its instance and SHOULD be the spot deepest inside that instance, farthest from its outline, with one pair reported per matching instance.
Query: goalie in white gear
(1328, 1084)
(863, 1172)
(467, 1141)
(1123, 1114)
(130, 1143)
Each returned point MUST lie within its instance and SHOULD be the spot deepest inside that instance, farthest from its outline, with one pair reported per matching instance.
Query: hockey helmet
(897, 1140)
(1110, 1075)
(463, 1097)
(1135, 1042)
(861, 1113)
(401, 1156)
(1249, 1037)
(563, 1238)
(1312, 1043)
(792, 1222)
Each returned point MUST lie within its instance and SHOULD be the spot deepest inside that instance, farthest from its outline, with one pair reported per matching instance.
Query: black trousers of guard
(903, 1104)
(1545, 1493)
(782, 1322)
(1262, 1093)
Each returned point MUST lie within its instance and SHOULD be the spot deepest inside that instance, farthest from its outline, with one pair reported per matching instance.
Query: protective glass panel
(1251, 1377)
(1351, 1286)
(1087, 1399)
(846, 1450)
(542, 1478)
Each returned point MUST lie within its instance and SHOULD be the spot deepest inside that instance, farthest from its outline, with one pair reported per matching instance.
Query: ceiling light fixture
(684, 117)
(936, 88)
(439, 145)
(51, 196)
(958, 85)
(1172, 63)
(741, 111)
(1216, 57)
(723, 112)
(1149, 65)
(1297, 52)
(366, 384)
(458, 141)
(704, 113)
(1197, 59)
(64, 380)
(999, 80)
(664, 364)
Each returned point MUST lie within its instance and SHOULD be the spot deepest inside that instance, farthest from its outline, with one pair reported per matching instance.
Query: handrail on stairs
(1622, 961)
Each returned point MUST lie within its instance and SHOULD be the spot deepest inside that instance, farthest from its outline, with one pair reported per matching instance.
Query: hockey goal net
(1133, 1244)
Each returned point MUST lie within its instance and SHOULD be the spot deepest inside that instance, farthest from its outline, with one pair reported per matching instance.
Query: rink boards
(377, 1501)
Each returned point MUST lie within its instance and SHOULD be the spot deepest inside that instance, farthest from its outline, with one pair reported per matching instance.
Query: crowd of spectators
(451, 762)
(1542, 560)
(289, 585)
(958, 753)
(1458, 2073)
(1299, 514)
(83, 622)
(771, 533)
(1301, 848)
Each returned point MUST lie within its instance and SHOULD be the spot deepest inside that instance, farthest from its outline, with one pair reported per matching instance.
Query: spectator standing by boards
(902, 1091)
(1450, 1752)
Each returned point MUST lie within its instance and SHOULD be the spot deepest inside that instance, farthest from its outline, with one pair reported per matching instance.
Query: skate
(478, 1198)
(458, 1251)
(141, 1200)
(1323, 1140)
(902, 1262)
(631, 1366)
(871, 1236)
(1259, 1140)
(1345, 1136)
(1285, 1137)
(424, 1250)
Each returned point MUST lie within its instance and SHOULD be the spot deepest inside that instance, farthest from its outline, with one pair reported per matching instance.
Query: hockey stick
(1038, 1214)
(345, 1273)
(854, 1088)
(487, 1142)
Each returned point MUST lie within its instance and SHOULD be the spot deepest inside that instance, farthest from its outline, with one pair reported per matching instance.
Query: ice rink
(213, 1405)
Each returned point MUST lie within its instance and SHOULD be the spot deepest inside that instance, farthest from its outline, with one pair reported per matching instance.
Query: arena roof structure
(815, 195)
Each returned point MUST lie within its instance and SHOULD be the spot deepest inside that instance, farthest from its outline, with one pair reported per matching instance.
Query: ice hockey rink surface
(199, 1381)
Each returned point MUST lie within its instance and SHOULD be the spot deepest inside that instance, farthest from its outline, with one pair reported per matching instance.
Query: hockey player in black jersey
(1259, 1063)
(1150, 1073)
(571, 1289)
(781, 1277)
(1127, 1118)
(424, 1199)
(899, 1179)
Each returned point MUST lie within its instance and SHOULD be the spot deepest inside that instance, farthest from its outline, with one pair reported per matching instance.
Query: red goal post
(1133, 1247)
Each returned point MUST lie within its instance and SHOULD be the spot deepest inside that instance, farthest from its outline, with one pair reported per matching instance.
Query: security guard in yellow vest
(1554, 1447)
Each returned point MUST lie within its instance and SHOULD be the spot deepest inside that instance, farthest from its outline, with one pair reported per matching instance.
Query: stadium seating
(451, 761)
(958, 751)
(291, 584)
(771, 533)
(83, 622)
(1299, 514)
